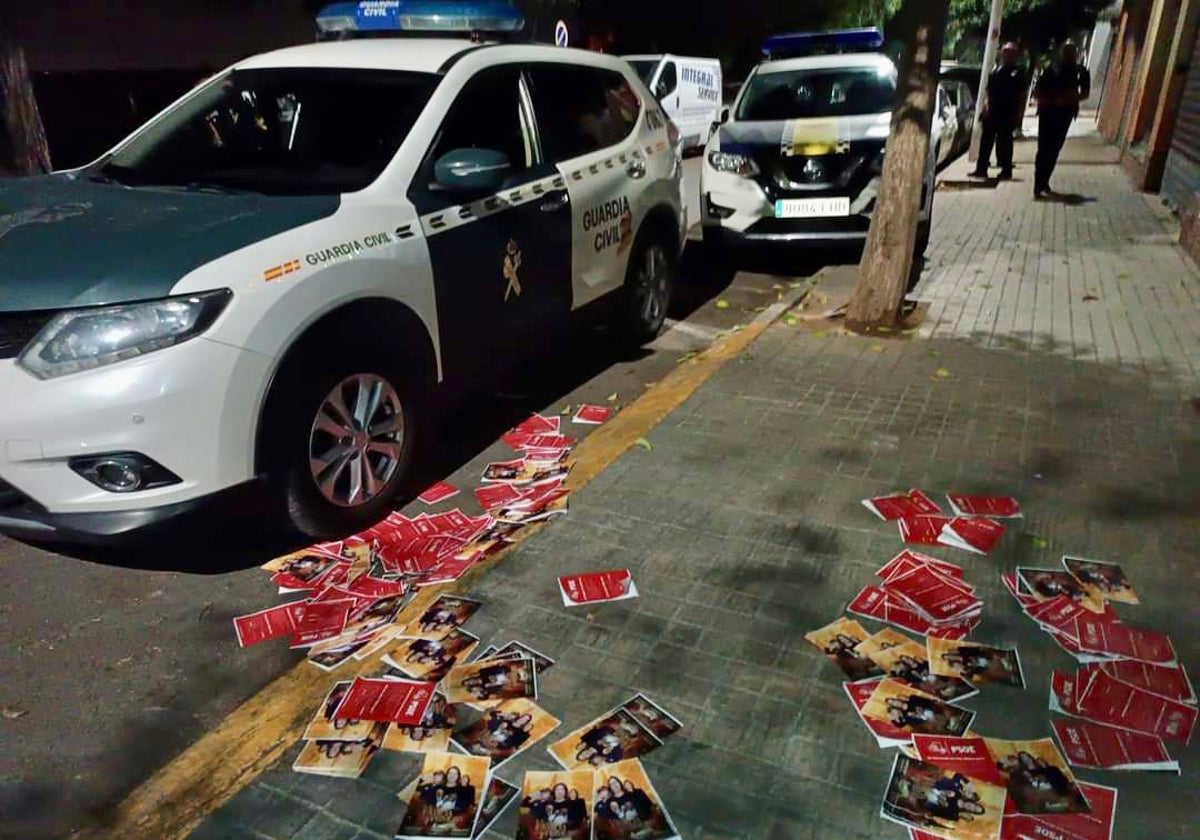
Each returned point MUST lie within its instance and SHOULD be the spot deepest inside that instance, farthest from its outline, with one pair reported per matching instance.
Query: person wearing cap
(1058, 92)
(1002, 109)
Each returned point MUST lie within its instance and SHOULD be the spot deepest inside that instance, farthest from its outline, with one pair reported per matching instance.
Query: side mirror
(724, 117)
(471, 170)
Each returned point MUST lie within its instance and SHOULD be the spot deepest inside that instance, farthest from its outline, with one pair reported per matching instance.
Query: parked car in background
(688, 88)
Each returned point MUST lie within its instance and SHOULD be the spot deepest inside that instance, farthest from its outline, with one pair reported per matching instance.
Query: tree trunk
(887, 260)
(29, 152)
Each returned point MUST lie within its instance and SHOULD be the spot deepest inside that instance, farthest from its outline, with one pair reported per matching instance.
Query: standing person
(1058, 92)
(1002, 110)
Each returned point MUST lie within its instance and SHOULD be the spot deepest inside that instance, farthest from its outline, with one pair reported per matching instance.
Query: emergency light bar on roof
(418, 17)
(797, 44)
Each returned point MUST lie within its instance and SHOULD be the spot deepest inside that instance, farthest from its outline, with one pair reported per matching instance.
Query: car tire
(641, 307)
(348, 428)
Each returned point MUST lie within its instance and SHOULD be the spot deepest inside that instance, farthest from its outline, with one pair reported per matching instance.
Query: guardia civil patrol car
(258, 290)
(798, 157)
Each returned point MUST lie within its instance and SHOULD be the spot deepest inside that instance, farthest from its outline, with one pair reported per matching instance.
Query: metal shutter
(1181, 179)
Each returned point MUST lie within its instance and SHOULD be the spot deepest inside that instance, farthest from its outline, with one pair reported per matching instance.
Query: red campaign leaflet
(399, 701)
(890, 508)
(976, 535)
(873, 602)
(321, 621)
(438, 493)
(452, 521)
(938, 597)
(1099, 636)
(1096, 825)
(272, 623)
(373, 587)
(552, 455)
(1170, 681)
(446, 571)
(592, 415)
(1057, 615)
(1064, 690)
(597, 587)
(1105, 699)
(997, 507)
(549, 440)
(908, 560)
(860, 694)
(1108, 748)
(967, 755)
(494, 496)
(922, 530)
(1024, 599)
(338, 593)
(537, 424)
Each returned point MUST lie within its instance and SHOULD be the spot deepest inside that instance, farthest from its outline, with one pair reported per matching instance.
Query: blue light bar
(420, 16)
(797, 44)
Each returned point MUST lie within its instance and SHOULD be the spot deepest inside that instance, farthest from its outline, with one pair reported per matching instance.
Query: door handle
(553, 205)
(636, 169)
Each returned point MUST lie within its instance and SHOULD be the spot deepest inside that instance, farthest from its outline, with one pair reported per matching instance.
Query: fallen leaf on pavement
(877, 348)
(942, 373)
(722, 304)
(820, 334)
(777, 287)
(612, 397)
(566, 412)
(790, 321)
(12, 713)
(645, 444)
(985, 285)
(1090, 296)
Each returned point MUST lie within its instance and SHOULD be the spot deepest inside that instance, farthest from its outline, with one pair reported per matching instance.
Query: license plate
(811, 208)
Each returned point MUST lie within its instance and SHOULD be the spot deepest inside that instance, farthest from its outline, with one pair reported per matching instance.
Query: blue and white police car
(798, 157)
(257, 291)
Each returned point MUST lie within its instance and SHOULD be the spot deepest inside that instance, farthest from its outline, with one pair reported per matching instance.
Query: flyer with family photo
(556, 804)
(901, 658)
(1101, 580)
(324, 726)
(627, 807)
(976, 663)
(431, 659)
(944, 803)
(490, 681)
(839, 641)
(446, 800)
(614, 737)
(1044, 584)
(896, 710)
(503, 731)
(447, 613)
(432, 734)
(338, 757)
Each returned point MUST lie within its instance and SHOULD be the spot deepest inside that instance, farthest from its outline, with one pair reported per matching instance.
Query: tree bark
(28, 149)
(887, 260)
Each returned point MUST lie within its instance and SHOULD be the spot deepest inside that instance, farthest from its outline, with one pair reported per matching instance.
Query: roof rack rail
(474, 19)
(798, 44)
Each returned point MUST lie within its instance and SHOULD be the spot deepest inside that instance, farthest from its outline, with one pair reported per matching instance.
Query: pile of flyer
(947, 780)
(354, 588)
(1130, 693)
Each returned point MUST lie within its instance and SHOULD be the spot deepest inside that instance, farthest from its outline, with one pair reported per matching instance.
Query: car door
(501, 261)
(586, 121)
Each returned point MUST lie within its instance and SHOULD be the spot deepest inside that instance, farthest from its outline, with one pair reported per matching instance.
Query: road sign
(560, 34)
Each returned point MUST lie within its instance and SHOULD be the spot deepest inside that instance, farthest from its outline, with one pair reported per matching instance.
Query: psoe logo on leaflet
(610, 224)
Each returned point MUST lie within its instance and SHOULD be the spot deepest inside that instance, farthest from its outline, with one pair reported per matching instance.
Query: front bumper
(191, 408)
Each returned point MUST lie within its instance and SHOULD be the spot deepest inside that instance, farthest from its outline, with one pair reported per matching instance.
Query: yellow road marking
(171, 803)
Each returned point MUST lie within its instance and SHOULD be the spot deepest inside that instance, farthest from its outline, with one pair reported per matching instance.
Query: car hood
(756, 135)
(67, 241)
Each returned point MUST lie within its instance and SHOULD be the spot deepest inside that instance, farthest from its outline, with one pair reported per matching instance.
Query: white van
(689, 89)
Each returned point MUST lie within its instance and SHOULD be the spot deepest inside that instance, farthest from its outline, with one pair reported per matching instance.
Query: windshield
(833, 92)
(279, 131)
(644, 67)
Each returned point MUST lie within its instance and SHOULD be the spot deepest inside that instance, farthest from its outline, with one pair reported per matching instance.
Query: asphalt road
(107, 672)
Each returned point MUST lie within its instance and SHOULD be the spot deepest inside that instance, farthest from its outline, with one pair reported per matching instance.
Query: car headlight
(82, 339)
(735, 163)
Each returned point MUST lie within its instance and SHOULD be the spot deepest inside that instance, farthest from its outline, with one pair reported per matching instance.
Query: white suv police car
(259, 288)
(798, 157)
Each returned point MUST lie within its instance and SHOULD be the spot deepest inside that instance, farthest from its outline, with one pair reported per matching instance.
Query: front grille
(785, 176)
(18, 328)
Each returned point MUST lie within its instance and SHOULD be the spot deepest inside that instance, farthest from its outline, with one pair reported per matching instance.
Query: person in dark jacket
(1003, 107)
(1058, 92)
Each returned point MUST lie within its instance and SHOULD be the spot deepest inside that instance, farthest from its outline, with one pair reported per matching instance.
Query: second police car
(798, 157)
(256, 291)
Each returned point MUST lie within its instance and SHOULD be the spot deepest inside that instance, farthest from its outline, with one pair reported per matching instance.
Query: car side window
(581, 109)
(485, 115)
(668, 80)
